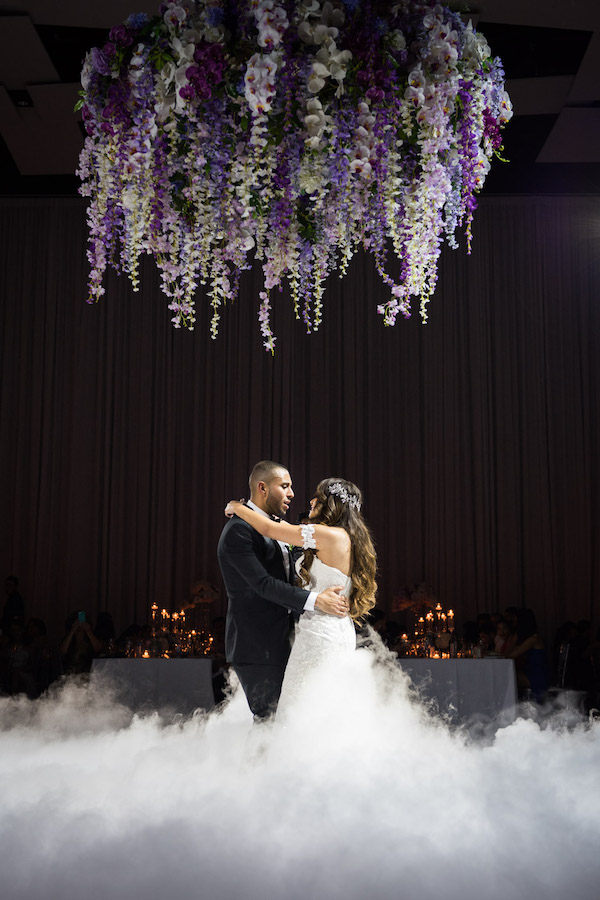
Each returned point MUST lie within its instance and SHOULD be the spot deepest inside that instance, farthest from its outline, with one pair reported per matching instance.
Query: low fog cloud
(361, 794)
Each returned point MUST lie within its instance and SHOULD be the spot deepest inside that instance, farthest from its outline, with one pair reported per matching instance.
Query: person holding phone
(79, 645)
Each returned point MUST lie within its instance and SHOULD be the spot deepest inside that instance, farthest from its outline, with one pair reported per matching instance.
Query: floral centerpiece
(294, 131)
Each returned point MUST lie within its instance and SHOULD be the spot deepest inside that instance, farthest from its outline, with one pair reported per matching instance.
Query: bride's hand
(231, 507)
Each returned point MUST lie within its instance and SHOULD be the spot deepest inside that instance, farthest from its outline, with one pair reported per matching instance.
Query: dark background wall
(475, 438)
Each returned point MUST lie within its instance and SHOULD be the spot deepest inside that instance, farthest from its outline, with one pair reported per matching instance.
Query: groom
(259, 577)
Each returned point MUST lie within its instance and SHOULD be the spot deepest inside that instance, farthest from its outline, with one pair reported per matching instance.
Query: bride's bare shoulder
(334, 536)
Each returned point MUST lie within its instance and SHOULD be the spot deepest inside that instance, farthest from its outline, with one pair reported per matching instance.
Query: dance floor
(361, 793)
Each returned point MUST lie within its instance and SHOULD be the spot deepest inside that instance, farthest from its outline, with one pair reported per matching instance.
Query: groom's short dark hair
(265, 470)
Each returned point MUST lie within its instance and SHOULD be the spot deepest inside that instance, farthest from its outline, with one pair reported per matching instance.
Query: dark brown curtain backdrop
(475, 438)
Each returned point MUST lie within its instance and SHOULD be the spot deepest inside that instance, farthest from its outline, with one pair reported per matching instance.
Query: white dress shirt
(287, 559)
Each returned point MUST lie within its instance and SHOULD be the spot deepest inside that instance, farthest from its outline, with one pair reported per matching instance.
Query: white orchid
(332, 16)
(138, 60)
(482, 167)
(260, 81)
(360, 162)
(175, 15)
(184, 50)
(315, 122)
(272, 22)
(330, 63)
(506, 109)
(330, 21)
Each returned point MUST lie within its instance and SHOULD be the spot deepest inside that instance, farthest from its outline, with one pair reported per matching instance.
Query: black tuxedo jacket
(259, 596)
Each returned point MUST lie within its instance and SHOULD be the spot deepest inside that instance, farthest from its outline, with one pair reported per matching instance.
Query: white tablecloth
(177, 685)
(468, 690)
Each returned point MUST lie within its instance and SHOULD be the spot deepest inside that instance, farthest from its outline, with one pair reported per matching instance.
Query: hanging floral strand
(297, 132)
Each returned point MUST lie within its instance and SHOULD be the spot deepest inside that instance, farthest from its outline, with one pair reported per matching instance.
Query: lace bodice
(323, 576)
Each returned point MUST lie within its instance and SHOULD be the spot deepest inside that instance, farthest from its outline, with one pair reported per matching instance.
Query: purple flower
(396, 165)
(215, 16)
(186, 92)
(120, 34)
(136, 21)
(375, 94)
(100, 62)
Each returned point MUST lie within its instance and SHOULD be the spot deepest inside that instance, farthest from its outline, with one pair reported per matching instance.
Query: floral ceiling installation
(296, 132)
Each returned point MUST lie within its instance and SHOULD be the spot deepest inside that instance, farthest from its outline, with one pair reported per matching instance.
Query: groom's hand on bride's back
(331, 602)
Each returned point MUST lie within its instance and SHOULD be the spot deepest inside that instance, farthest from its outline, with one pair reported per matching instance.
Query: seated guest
(505, 639)
(486, 637)
(79, 645)
(530, 657)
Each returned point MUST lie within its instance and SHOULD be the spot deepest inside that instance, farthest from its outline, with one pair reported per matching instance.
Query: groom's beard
(275, 511)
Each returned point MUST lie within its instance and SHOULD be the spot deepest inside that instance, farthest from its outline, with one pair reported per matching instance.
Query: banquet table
(174, 685)
(466, 690)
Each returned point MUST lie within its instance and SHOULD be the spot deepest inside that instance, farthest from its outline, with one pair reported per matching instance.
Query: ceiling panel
(574, 138)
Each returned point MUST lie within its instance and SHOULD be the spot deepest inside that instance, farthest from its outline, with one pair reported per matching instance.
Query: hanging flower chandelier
(294, 131)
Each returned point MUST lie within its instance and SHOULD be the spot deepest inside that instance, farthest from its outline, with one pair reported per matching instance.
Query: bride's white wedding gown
(317, 635)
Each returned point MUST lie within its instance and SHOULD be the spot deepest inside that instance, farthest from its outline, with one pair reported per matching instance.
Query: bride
(338, 549)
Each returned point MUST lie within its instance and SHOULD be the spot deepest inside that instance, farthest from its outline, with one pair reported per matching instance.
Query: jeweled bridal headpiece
(338, 490)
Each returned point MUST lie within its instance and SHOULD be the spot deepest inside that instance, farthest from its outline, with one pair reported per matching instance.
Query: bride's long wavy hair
(341, 509)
